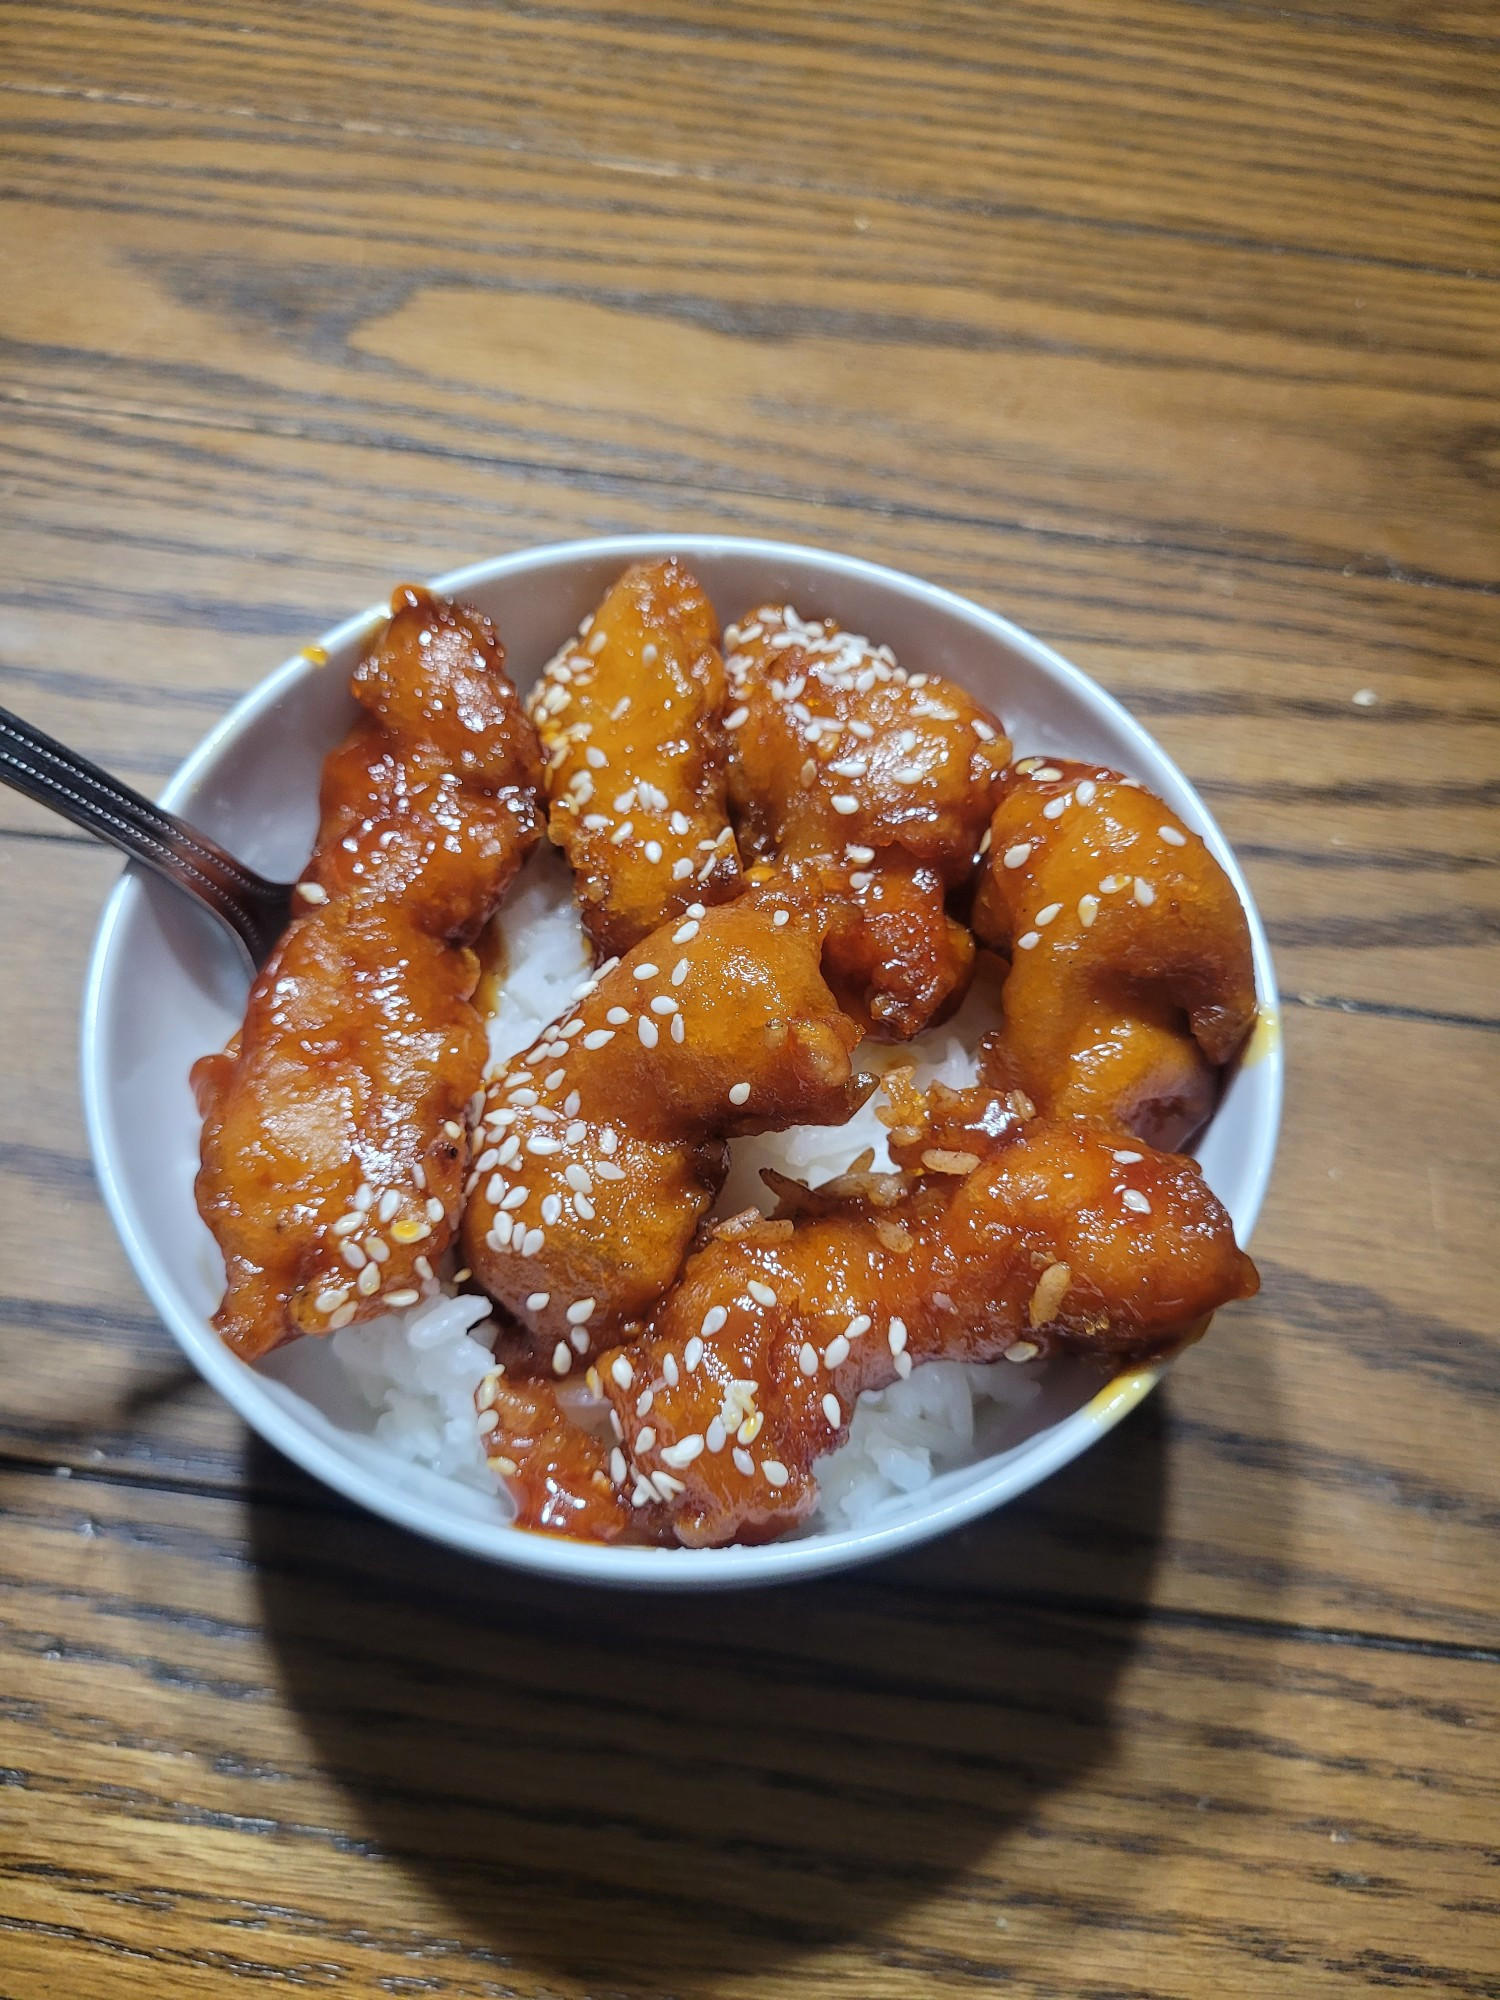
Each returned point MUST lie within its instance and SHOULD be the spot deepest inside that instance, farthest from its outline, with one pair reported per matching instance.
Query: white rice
(418, 1370)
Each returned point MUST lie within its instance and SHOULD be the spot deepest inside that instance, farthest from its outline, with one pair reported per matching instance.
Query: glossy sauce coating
(603, 1145)
(334, 1140)
(1014, 1237)
(629, 717)
(840, 758)
(1131, 980)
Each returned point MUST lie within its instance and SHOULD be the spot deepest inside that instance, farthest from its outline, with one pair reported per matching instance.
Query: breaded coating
(629, 717)
(604, 1143)
(840, 757)
(1131, 979)
(1014, 1237)
(334, 1141)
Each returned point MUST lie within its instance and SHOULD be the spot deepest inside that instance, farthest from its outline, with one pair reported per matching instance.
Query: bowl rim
(630, 1567)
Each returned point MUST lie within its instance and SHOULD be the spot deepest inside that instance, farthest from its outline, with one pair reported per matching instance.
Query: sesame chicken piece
(1131, 981)
(334, 1140)
(838, 756)
(629, 717)
(1009, 1236)
(603, 1145)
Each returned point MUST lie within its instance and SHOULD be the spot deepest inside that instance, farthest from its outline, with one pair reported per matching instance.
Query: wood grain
(1168, 329)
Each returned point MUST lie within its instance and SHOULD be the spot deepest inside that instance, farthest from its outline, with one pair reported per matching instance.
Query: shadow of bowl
(667, 1793)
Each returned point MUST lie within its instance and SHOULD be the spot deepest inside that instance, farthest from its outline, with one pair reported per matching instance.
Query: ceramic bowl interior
(165, 986)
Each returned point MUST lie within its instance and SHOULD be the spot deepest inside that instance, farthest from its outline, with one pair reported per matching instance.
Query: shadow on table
(644, 1789)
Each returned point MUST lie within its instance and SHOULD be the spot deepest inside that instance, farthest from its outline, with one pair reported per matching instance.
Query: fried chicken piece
(629, 718)
(1131, 981)
(1015, 1237)
(334, 1141)
(839, 756)
(604, 1143)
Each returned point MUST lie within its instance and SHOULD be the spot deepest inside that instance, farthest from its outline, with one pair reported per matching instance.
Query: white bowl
(165, 985)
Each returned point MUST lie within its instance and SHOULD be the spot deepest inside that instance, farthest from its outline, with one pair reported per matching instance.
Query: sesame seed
(653, 851)
(743, 1461)
(833, 1410)
(1054, 808)
(584, 1208)
(860, 1324)
(903, 1365)
(713, 1319)
(609, 1138)
(850, 767)
(776, 1473)
(1172, 837)
(897, 1336)
(312, 892)
(1022, 1350)
(606, 1170)
(509, 1153)
(1144, 893)
(715, 1436)
(646, 970)
(678, 822)
(679, 1029)
(453, 1129)
(681, 869)
(686, 932)
(1110, 883)
(531, 1242)
(595, 822)
(540, 1144)
(536, 1300)
(622, 1371)
(551, 1208)
(1088, 909)
(1134, 1199)
(1028, 941)
(597, 643)
(562, 1359)
(809, 771)
(664, 1004)
(644, 1401)
(435, 1209)
(390, 1201)
(347, 1224)
(684, 1451)
(692, 1354)
(1015, 856)
(580, 1313)
(330, 1300)
(669, 1370)
(595, 758)
(739, 1093)
(1046, 774)
(696, 910)
(353, 1256)
(364, 1197)
(1045, 916)
(646, 1028)
(379, 1250)
(625, 800)
(807, 1358)
(762, 1294)
(598, 1037)
(736, 718)
(341, 1315)
(1084, 792)
(836, 1353)
(781, 917)
(617, 1466)
(843, 803)
(646, 1438)
(579, 1340)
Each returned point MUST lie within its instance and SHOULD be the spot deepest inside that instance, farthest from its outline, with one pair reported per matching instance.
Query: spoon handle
(47, 771)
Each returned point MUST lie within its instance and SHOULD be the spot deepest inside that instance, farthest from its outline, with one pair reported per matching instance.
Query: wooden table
(1169, 329)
